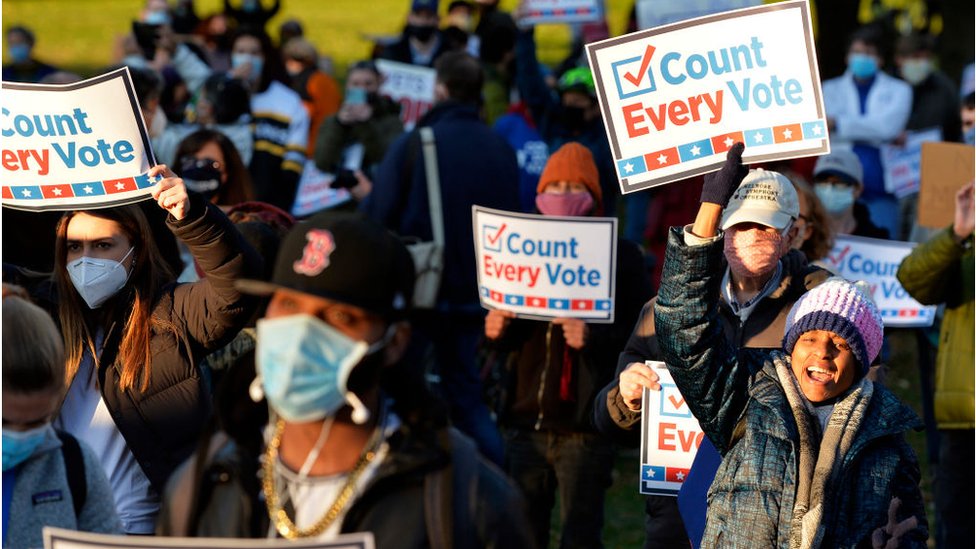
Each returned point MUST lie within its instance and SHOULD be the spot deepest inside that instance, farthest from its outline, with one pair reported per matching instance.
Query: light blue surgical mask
(18, 446)
(303, 365)
(256, 62)
(969, 136)
(835, 198)
(19, 53)
(158, 17)
(862, 66)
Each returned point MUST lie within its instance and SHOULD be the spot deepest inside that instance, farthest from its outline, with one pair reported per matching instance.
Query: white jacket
(888, 107)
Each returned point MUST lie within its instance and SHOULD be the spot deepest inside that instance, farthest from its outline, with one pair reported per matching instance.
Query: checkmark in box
(491, 237)
(633, 75)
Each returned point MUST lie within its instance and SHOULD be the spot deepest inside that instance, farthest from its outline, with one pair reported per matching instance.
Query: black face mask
(574, 118)
(421, 32)
(201, 176)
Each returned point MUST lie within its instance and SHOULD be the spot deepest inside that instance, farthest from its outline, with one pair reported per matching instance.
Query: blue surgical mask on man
(19, 53)
(19, 446)
(862, 66)
(304, 363)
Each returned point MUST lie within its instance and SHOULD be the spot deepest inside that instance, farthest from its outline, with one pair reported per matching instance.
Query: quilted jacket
(748, 418)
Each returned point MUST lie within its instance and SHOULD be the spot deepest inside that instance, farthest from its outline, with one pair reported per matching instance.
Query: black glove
(720, 185)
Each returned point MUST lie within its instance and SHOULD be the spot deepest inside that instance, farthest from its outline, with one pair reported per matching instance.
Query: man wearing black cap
(421, 43)
(354, 444)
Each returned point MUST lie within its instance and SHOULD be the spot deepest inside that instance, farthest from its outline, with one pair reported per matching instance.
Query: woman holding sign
(133, 338)
(557, 369)
(813, 453)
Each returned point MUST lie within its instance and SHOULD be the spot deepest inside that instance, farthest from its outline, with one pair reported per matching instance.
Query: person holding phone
(363, 129)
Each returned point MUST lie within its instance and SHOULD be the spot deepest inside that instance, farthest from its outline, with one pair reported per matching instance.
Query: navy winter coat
(476, 167)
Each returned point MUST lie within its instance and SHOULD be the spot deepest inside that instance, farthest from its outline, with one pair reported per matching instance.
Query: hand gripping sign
(74, 146)
(670, 436)
(675, 98)
(876, 262)
(545, 267)
(536, 12)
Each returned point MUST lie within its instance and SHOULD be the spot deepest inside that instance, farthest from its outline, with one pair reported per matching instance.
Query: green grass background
(79, 35)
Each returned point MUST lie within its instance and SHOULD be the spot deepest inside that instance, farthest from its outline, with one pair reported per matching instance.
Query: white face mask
(915, 71)
(96, 280)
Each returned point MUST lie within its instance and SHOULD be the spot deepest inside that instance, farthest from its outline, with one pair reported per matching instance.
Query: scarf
(819, 469)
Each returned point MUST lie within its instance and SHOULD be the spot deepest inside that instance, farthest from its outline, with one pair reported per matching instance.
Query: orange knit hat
(573, 162)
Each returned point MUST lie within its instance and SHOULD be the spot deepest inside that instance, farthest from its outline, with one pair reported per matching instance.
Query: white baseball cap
(843, 163)
(763, 197)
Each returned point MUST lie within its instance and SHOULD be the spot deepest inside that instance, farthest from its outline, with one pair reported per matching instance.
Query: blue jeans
(579, 465)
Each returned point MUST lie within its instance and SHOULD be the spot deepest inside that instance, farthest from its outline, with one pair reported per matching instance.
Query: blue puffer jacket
(744, 411)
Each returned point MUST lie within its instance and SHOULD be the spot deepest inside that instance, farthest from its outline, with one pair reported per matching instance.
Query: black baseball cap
(346, 257)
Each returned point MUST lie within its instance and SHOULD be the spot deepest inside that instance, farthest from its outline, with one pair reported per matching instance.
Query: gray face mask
(96, 280)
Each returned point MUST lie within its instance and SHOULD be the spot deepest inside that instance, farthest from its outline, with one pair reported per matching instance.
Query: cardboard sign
(670, 436)
(675, 98)
(535, 12)
(60, 538)
(409, 85)
(654, 13)
(545, 267)
(876, 262)
(74, 146)
(946, 168)
(903, 164)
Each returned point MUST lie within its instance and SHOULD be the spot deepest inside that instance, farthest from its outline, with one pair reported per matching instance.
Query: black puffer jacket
(432, 489)
(162, 424)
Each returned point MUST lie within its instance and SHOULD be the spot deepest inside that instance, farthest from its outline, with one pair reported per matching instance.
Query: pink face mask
(753, 252)
(574, 204)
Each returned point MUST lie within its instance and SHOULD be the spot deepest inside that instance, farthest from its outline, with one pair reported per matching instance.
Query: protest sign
(876, 262)
(315, 192)
(670, 436)
(675, 98)
(536, 12)
(74, 146)
(409, 85)
(946, 168)
(654, 13)
(544, 267)
(903, 163)
(60, 538)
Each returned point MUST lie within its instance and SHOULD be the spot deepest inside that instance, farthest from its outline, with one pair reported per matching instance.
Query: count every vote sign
(74, 146)
(675, 98)
(544, 267)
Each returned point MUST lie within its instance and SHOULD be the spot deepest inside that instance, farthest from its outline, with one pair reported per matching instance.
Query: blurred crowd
(220, 361)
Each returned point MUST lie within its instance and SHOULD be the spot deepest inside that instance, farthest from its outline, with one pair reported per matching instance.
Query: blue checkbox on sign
(491, 237)
(633, 75)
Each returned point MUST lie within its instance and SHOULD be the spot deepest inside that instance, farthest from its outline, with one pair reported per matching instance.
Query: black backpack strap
(74, 465)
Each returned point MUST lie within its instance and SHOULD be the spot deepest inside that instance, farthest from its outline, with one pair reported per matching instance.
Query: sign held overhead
(675, 98)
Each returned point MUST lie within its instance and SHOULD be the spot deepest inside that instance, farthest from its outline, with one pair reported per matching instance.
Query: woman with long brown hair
(133, 337)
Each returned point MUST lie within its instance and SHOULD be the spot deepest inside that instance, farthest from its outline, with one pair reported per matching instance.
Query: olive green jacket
(941, 271)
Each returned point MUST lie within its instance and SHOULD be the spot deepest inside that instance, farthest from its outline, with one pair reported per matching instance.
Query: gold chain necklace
(279, 517)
